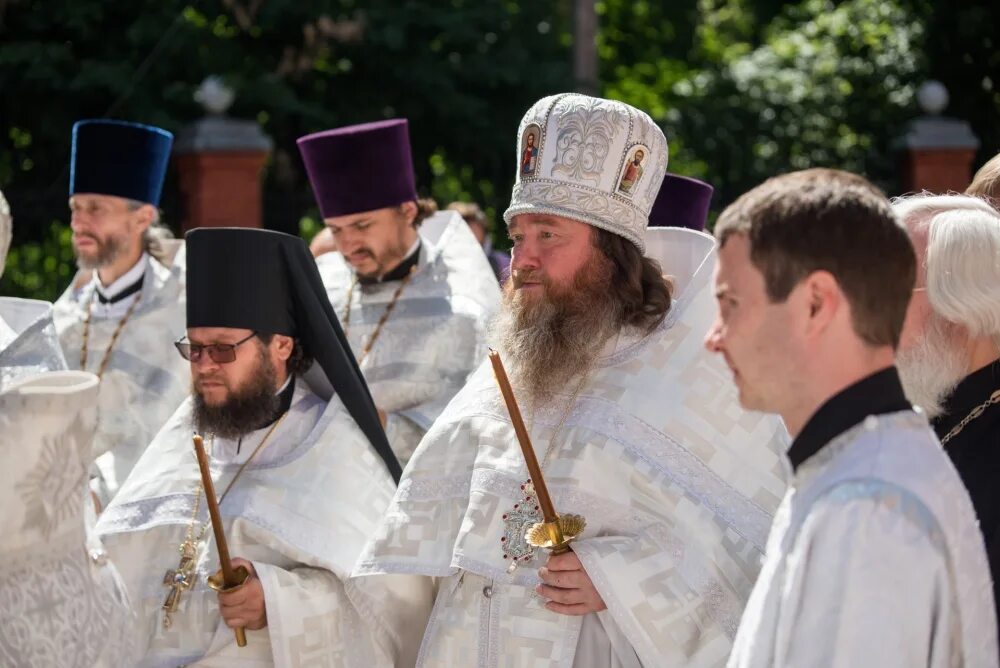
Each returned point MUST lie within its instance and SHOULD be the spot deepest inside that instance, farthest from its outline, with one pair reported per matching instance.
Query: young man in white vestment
(949, 351)
(874, 558)
(122, 310)
(412, 287)
(62, 602)
(634, 426)
(302, 479)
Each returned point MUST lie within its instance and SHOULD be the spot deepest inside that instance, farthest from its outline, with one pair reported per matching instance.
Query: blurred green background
(744, 89)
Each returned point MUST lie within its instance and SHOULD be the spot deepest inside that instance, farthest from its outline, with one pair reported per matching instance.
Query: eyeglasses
(220, 353)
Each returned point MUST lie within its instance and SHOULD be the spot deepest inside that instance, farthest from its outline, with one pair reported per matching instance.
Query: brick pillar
(938, 170)
(936, 152)
(219, 162)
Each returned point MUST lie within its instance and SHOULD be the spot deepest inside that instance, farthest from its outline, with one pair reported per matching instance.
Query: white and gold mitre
(597, 161)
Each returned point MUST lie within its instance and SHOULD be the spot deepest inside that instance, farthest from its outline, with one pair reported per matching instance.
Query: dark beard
(247, 409)
(550, 340)
(394, 256)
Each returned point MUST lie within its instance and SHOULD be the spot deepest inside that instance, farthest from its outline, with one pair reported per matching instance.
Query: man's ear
(283, 346)
(409, 211)
(823, 299)
(144, 216)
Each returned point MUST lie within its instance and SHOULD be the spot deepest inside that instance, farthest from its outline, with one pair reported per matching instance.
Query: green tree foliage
(40, 269)
(744, 89)
(463, 72)
(749, 90)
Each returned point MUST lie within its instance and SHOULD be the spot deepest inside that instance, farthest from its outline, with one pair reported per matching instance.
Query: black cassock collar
(877, 394)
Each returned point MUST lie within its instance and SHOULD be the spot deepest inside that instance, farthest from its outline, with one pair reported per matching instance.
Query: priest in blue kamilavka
(412, 287)
(124, 307)
(633, 422)
(301, 465)
(61, 600)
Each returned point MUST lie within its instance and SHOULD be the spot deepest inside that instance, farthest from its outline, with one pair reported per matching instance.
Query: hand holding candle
(230, 578)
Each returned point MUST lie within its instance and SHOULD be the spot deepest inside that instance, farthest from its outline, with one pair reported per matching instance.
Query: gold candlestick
(556, 531)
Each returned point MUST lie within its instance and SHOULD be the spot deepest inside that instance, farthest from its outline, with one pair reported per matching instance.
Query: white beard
(932, 368)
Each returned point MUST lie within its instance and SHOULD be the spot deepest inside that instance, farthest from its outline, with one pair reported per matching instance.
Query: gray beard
(246, 409)
(547, 343)
(108, 251)
(932, 368)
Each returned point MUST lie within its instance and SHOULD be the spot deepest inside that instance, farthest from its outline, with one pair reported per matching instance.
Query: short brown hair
(637, 282)
(426, 207)
(835, 221)
(986, 182)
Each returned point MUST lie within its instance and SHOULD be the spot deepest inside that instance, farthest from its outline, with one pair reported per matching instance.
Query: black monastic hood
(268, 282)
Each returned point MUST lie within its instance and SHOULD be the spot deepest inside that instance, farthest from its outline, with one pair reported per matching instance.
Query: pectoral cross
(178, 580)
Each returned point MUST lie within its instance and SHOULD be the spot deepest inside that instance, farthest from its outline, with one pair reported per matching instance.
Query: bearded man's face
(373, 242)
(104, 229)
(557, 310)
(234, 398)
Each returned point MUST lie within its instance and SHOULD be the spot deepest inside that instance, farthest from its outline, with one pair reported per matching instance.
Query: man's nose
(76, 220)
(713, 339)
(524, 256)
(348, 242)
(203, 362)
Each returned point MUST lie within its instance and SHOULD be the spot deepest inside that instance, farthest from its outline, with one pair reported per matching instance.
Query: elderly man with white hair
(950, 345)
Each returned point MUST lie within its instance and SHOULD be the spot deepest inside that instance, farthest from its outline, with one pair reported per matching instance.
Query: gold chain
(975, 413)
(239, 472)
(114, 337)
(385, 316)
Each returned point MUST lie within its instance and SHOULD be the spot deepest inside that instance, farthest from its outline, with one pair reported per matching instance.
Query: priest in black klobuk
(301, 466)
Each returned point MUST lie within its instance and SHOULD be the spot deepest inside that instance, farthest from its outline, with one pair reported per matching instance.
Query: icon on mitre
(529, 150)
(633, 171)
